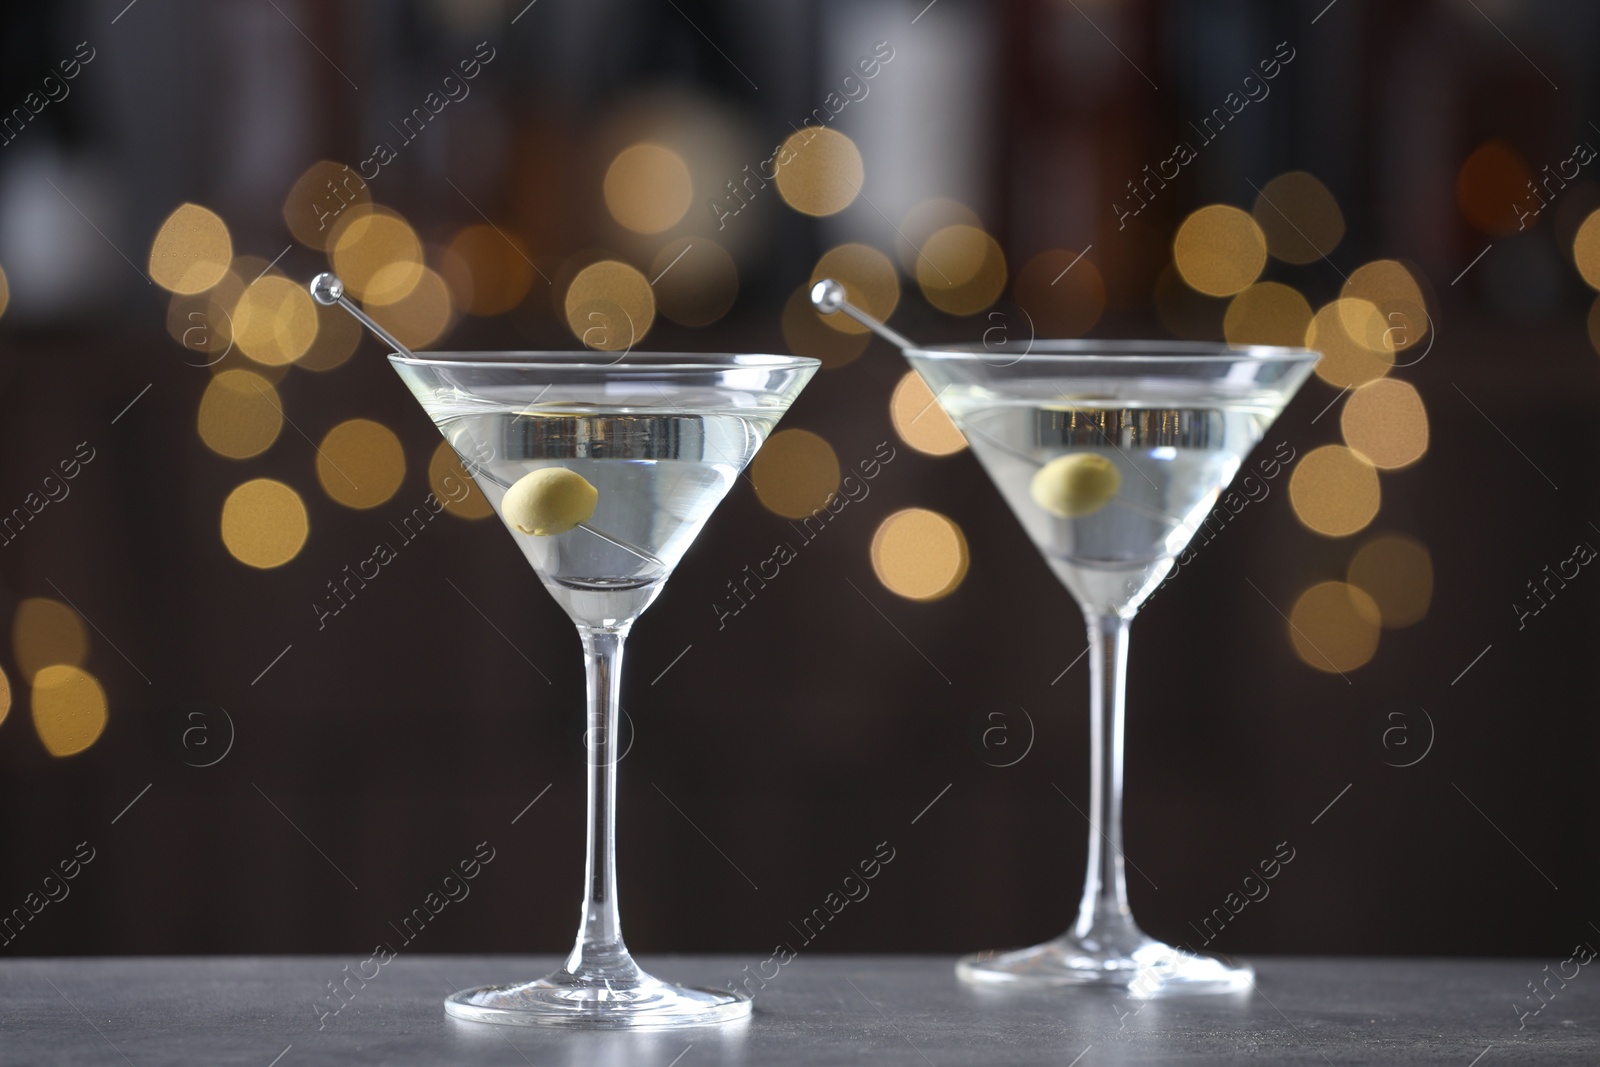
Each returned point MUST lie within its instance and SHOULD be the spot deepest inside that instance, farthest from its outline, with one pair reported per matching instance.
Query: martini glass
(661, 438)
(1140, 438)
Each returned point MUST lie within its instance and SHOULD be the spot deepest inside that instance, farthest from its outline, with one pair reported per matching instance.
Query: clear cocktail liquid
(659, 477)
(1173, 456)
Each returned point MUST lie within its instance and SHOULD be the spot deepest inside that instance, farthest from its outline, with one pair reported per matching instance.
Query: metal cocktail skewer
(827, 296)
(328, 290)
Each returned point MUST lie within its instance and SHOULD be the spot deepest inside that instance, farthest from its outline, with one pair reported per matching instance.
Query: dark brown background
(808, 731)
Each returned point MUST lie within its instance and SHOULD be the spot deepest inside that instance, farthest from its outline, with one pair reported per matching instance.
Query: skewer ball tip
(326, 289)
(827, 296)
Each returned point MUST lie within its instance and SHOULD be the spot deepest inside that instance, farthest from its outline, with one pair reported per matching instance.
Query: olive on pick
(1076, 484)
(549, 501)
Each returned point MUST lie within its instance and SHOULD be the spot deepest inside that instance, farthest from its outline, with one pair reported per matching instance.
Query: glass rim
(1082, 349)
(627, 362)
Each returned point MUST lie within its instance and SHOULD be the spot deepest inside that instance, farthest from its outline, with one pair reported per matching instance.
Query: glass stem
(1103, 915)
(600, 954)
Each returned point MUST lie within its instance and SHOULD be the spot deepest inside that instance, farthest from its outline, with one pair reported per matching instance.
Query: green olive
(549, 501)
(1076, 484)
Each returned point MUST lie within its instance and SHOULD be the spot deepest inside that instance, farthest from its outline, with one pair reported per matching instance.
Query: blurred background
(1381, 661)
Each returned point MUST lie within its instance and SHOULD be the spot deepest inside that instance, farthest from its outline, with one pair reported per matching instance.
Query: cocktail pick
(328, 290)
(545, 505)
(827, 296)
(1076, 484)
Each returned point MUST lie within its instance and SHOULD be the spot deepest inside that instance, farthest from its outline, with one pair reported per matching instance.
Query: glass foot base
(563, 999)
(1145, 969)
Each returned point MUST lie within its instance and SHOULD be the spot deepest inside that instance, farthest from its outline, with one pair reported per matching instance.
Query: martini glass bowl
(661, 438)
(1111, 454)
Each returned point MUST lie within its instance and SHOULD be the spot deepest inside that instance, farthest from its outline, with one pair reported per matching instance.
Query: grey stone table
(819, 1010)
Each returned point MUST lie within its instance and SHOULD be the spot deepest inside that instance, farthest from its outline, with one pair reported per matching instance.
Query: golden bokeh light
(696, 281)
(1219, 250)
(1334, 627)
(1586, 250)
(1267, 313)
(376, 254)
(925, 220)
(69, 709)
(338, 335)
(5, 302)
(1397, 572)
(192, 250)
(489, 270)
(1348, 360)
(1386, 422)
(919, 554)
(961, 270)
(236, 360)
(264, 523)
(252, 267)
(795, 473)
(818, 171)
(422, 316)
(1299, 218)
(1063, 293)
(240, 414)
(207, 327)
(453, 487)
(192, 321)
(203, 322)
(920, 421)
(869, 279)
(1388, 286)
(360, 463)
(807, 333)
(5, 695)
(275, 320)
(610, 306)
(1491, 183)
(1334, 491)
(647, 188)
(318, 198)
(45, 632)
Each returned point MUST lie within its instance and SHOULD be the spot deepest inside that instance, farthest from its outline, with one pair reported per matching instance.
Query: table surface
(818, 1010)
